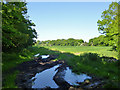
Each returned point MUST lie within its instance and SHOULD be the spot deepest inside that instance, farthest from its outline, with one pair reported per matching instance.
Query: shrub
(90, 56)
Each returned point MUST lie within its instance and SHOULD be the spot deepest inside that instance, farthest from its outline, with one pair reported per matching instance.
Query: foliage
(61, 42)
(109, 24)
(99, 41)
(91, 56)
(17, 31)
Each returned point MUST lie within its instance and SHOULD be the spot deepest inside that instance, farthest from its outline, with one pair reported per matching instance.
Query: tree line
(102, 40)
(61, 42)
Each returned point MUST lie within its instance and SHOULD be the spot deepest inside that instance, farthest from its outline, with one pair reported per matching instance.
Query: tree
(17, 31)
(102, 40)
(109, 24)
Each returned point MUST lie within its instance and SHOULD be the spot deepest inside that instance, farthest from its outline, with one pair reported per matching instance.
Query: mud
(29, 69)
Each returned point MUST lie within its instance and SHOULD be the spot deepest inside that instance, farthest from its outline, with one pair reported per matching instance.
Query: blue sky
(63, 20)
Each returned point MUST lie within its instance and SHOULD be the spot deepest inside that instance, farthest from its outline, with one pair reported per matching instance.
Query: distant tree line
(102, 40)
(62, 42)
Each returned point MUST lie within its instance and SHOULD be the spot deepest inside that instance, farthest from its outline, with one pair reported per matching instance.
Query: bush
(90, 56)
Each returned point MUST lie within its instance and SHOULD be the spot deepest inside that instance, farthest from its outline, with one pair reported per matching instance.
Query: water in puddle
(45, 56)
(73, 78)
(37, 55)
(45, 78)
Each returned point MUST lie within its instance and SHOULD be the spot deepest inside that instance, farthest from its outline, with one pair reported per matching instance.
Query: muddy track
(30, 68)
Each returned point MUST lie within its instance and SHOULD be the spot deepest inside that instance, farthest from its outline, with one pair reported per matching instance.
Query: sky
(63, 20)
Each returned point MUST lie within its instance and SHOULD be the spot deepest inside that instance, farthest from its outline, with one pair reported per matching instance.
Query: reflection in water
(45, 56)
(37, 55)
(73, 78)
(45, 78)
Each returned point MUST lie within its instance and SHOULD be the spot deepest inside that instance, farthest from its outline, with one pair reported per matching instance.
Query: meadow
(77, 50)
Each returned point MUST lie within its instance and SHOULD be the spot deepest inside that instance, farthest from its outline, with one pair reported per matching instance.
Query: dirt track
(30, 68)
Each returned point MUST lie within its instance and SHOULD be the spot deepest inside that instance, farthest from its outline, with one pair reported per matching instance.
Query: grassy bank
(85, 62)
(9, 62)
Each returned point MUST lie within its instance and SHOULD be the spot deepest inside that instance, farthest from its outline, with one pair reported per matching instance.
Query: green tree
(17, 31)
(109, 24)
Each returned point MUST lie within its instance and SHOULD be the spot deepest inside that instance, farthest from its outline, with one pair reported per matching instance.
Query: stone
(71, 88)
(87, 81)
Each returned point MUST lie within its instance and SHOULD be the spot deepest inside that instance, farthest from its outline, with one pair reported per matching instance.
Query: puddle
(37, 55)
(73, 78)
(42, 56)
(45, 56)
(45, 78)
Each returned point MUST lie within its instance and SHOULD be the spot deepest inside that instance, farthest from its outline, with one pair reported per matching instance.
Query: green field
(77, 50)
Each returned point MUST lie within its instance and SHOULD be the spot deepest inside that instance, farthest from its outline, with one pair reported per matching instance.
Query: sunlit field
(77, 50)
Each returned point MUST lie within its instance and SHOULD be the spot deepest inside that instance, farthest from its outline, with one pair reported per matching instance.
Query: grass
(90, 63)
(77, 50)
(11, 60)
(9, 81)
